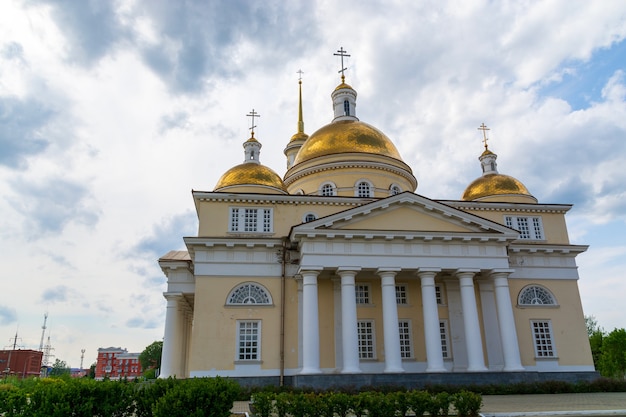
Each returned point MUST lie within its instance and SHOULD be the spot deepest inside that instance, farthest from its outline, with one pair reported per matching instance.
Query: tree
(59, 368)
(150, 358)
(613, 358)
(596, 336)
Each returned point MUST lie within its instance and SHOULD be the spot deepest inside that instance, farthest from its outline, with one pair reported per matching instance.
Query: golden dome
(343, 85)
(250, 174)
(347, 136)
(492, 185)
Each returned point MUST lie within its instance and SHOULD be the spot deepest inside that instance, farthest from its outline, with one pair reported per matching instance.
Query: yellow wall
(568, 324)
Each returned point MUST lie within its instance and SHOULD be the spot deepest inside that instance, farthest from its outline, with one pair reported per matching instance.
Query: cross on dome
(484, 128)
(300, 72)
(253, 114)
(342, 53)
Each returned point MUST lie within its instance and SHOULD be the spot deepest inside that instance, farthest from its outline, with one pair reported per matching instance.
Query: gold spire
(300, 119)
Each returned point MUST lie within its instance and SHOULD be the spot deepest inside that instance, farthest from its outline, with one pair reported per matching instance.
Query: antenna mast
(43, 331)
(82, 356)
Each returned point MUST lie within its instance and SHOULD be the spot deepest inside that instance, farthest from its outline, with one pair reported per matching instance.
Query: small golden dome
(342, 86)
(347, 136)
(250, 174)
(299, 136)
(492, 185)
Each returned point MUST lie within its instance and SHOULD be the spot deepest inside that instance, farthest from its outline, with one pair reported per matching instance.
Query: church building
(340, 273)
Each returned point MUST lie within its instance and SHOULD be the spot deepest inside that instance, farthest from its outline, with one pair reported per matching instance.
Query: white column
(393, 359)
(171, 354)
(471, 324)
(310, 323)
(432, 333)
(508, 333)
(349, 333)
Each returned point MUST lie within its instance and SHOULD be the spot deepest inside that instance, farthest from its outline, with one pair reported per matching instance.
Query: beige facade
(342, 267)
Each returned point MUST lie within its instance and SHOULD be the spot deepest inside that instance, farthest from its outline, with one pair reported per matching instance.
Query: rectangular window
(542, 334)
(365, 331)
(528, 227)
(404, 327)
(438, 294)
(248, 340)
(250, 220)
(362, 293)
(443, 331)
(401, 295)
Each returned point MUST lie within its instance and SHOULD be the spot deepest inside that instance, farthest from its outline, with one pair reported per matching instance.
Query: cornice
(405, 172)
(508, 207)
(292, 199)
(547, 249)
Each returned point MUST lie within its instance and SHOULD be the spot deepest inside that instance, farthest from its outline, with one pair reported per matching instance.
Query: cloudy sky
(111, 112)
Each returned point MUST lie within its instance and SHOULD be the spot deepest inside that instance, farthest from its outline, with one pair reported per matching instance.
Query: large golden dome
(247, 174)
(494, 185)
(347, 136)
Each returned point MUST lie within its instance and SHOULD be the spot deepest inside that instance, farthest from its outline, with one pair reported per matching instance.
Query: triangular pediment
(405, 213)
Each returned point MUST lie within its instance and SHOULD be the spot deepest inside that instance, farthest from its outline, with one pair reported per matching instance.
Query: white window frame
(543, 338)
(240, 220)
(529, 227)
(362, 293)
(539, 296)
(330, 186)
(358, 188)
(255, 338)
(309, 217)
(366, 335)
(406, 338)
(402, 298)
(394, 189)
(253, 292)
(445, 339)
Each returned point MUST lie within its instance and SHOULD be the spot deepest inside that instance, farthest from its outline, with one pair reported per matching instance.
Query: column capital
(173, 295)
(387, 270)
(435, 270)
(501, 271)
(310, 270)
(462, 271)
(342, 269)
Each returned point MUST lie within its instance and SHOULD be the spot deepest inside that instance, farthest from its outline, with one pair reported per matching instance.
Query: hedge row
(370, 404)
(212, 397)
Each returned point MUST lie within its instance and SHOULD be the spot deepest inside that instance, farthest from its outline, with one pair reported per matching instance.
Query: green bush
(467, 403)
(419, 402)
(197, 397)
(262, 404)
(13, 400)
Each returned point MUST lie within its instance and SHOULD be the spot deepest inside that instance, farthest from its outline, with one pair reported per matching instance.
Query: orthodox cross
(484, 129)
(342, 53)
(300, 72)
(253, 114)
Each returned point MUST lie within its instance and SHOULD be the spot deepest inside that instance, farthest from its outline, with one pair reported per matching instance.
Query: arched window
(535, 295)
(309, 217)
(394, 189)
(249, 293)
(327, 189)
(346, 108)
(363, 189)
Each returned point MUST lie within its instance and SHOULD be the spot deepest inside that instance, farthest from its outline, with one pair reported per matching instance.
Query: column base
(394, 371)
(351, 371)
(435, 370)
(309, 371)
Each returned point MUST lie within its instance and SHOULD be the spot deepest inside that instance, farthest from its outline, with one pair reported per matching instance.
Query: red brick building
(117, 363)
(20, 362)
